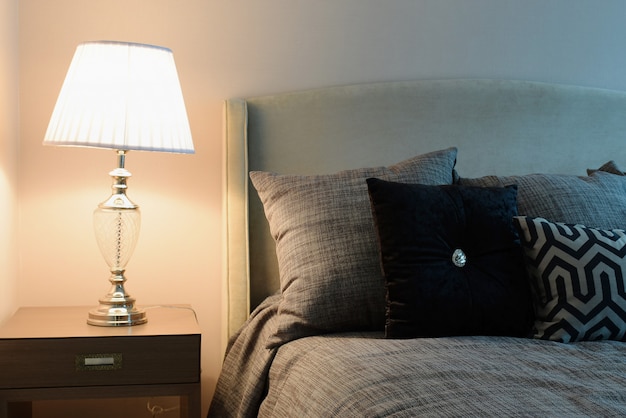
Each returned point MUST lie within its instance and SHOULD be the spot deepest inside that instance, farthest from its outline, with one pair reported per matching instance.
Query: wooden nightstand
(51, 353)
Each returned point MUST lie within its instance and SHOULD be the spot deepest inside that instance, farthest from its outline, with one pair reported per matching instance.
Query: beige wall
(9, 135)
(233, 48)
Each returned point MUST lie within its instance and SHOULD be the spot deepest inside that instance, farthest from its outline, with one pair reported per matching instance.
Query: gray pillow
(330, 274)
(609, 167)
(597, 200)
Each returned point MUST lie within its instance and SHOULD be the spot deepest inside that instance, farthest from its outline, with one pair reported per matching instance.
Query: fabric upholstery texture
(579, 280)
(597, 200)
(451, 259)
(330, 277)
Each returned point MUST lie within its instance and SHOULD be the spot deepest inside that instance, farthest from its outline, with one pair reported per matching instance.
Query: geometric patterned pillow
(578, 277)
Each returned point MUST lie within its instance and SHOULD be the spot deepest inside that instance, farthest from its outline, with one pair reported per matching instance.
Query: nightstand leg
(16, 409)
(191, 405)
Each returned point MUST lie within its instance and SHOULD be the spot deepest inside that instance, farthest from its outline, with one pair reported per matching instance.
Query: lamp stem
(116, 224)
(121, 158)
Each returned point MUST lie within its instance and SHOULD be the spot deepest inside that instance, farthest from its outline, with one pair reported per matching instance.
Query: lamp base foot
(116, 316)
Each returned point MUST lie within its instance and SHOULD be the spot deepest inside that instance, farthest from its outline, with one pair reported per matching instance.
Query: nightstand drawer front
(124, 360)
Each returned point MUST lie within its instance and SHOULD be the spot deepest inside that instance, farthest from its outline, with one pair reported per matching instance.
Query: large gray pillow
(330, 274)
(597, 200)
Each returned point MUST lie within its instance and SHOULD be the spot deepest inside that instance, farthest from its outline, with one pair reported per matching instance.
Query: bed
(425, 248)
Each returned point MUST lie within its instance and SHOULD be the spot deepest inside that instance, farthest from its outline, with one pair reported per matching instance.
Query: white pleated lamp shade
(122, 96)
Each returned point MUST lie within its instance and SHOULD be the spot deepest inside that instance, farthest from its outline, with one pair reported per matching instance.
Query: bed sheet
(347, 375)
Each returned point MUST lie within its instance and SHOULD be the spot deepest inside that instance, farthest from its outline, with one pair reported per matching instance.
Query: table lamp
(121, 96)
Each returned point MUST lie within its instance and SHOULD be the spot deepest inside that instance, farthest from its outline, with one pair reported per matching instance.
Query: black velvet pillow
(452, 260)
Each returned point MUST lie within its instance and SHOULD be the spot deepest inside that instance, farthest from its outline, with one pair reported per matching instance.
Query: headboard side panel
(236, 286)
(500, 127)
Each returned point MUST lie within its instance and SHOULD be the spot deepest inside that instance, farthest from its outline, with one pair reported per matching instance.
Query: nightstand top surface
(71, 322)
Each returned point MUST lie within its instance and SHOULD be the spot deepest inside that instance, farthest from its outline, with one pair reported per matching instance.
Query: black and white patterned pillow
(578, 280)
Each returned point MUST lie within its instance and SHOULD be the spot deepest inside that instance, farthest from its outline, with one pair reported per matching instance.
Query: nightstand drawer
(123, 360)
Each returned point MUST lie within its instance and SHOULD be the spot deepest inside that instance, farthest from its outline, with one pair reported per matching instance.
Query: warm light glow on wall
(7, 245)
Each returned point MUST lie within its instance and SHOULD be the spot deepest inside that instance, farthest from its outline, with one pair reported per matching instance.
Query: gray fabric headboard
(499, 127)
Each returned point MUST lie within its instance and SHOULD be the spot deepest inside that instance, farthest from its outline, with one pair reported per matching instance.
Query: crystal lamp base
(117, 222)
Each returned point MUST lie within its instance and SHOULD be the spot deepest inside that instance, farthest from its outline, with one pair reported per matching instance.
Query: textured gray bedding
(364, 375)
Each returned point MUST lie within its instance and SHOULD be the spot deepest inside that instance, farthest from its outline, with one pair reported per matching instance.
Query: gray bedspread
(361, 375)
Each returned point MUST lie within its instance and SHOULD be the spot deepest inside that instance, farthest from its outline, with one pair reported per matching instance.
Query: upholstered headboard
(499, 127)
